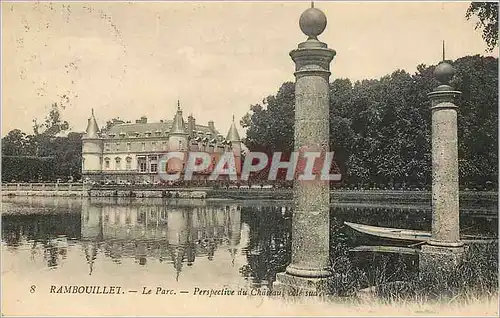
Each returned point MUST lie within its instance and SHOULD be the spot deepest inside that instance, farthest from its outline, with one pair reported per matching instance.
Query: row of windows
(128, 146)
(142, 164)
(153, 146)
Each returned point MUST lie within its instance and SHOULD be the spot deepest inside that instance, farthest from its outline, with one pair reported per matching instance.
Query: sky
(129, 60)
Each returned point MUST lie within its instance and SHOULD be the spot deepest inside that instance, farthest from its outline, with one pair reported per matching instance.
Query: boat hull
(404, 234)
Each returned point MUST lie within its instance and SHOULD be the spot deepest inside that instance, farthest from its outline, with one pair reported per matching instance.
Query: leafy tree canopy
(380, 129)
(487, 14)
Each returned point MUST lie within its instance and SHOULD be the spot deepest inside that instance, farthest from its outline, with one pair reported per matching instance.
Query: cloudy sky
(132, 59)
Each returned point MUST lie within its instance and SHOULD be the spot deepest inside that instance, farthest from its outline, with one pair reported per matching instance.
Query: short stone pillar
(444, 249)
(309, 269)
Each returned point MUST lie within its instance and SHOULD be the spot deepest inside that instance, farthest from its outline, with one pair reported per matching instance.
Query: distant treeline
(58, 157)
(44, 155)
(381, 128)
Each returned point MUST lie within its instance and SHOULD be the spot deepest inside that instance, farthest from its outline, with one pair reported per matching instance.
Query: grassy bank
(475, 278)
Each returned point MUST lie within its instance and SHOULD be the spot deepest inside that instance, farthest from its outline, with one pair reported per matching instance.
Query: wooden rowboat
(391, 233)
(406, 234)
(386, 249)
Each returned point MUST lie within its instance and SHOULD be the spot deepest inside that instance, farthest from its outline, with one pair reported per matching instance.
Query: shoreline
(400, 196)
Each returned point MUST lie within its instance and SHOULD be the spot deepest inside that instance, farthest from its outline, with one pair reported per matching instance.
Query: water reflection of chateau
(177, 231)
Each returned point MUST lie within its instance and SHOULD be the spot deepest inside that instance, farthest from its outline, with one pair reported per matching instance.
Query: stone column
(444, 249)
(310, 265)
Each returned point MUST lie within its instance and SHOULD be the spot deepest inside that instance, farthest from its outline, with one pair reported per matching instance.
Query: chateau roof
(178, 125)
(142, 128)
(92, 130)
(233, 135)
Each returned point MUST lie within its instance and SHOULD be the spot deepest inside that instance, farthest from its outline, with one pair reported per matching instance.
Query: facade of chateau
(132, 152)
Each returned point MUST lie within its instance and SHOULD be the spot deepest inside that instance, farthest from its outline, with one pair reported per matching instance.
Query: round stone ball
(312, 22)
(444, 72)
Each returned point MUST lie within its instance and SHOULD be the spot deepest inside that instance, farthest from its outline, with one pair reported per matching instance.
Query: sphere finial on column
(312, 22)
(444, 73)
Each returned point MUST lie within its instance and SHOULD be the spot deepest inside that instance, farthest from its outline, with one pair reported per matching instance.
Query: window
(129, 147)
(117, 146)
(128, 164)
(154, 167)
(106, 146)
(106, 163)
(118, 162)
(154, 145)
(143, 146)
(164, 145)
(143, 167)
(154, 163)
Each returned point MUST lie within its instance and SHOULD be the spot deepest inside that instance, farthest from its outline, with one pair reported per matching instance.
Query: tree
(477, 79)
(487, 13)
(380, 129)
(111, 123)
(53, 124)
(14, 143)
(271, 125)
(31, 157)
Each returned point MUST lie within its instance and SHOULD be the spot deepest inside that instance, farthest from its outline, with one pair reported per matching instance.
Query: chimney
(142, 120)
(191, 125)
(211, 126)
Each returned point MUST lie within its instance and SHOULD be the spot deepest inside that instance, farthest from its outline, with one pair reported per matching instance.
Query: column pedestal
(439, 260)
(291, 285)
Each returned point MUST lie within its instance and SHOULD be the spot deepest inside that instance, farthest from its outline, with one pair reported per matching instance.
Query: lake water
(183, 243)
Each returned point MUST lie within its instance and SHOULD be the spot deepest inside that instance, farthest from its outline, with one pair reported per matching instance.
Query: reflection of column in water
(141, 252)
(245, 235)
(234, 230)
(195, 225)
(51, 255)
(177, 236)
(226, 221)
(111, 214)
(133, 216)
(219, 221)
(163, 249)
(122, 215)
(177, 226)
(190, 246)
(91, 223)
(202, 222)
(90, 249)
(118, 228)
(210, 222)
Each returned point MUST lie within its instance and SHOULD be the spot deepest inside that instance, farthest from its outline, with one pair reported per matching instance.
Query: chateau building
(132, 152)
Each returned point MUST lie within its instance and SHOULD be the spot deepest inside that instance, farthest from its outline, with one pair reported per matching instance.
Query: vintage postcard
(249, 158)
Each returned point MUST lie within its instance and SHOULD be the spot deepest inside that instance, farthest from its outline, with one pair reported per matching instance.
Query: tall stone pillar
(444, 249)
(310, 265)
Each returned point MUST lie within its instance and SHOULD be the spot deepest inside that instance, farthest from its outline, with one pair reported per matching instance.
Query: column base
(439, 259)
(290, 285)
